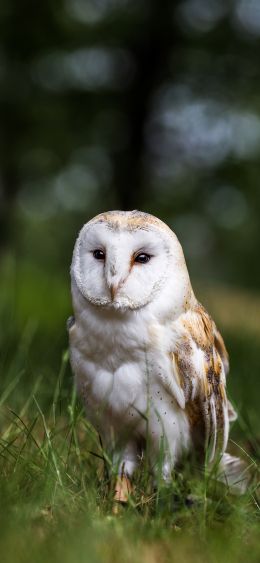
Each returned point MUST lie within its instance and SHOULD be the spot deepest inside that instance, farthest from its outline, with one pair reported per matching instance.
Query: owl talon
(123, 489)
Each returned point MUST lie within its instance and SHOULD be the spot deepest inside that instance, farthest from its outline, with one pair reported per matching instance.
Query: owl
(150, 364)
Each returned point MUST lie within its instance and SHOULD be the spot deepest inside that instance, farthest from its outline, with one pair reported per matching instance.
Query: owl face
(123, 260)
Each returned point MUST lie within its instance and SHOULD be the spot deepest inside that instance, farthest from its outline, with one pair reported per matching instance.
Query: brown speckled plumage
(204, 390)
(132, 220)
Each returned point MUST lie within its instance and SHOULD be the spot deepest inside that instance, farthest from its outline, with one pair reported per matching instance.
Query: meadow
(56, 504)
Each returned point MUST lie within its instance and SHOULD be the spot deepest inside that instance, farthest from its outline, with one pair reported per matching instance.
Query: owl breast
(118, 374)
(109, 362)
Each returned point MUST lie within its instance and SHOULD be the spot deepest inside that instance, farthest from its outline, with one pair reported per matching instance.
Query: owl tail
(235, 473)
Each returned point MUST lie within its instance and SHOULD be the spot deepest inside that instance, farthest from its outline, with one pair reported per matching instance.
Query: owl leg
(125, 463)
(123, 489)
(162, 462)
(167, 469)
(162, 470)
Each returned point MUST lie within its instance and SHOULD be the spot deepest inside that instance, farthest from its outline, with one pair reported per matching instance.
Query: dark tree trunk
(151, 51)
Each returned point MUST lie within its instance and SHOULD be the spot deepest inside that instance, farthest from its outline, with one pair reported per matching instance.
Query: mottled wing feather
(201, 363)
(221, 348)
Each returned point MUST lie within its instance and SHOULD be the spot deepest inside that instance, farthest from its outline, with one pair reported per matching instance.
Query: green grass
(56, 503)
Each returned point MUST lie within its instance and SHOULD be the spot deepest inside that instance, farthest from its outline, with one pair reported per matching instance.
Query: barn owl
(149, 362)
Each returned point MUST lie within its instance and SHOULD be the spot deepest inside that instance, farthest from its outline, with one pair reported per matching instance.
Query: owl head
(128, 261)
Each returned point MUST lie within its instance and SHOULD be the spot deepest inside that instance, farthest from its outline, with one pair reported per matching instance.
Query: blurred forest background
(110, 104)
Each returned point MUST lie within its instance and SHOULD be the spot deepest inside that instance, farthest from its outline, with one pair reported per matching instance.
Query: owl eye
(99, 254)
(142, 258)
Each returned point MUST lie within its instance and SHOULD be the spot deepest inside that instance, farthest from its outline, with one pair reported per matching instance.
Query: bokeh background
(116, 104)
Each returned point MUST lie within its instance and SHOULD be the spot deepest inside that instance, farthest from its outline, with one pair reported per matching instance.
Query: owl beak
(113, 290)
(114, 279)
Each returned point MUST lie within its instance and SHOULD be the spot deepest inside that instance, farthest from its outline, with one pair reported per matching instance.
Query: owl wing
(200, 365)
